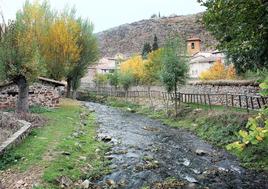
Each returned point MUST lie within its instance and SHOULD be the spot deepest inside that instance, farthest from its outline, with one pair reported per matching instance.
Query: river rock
(131, 110)
(66, 153)
(186, 162)
(85, 184)
(201, 152)
(65, 182)
(190, 186)
(82, 158)
(107, 138)
(19, 184)
(190, 179)
(110, 182)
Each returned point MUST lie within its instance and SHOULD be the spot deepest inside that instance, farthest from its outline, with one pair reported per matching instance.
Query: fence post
(240, 103)
(226, 99)
(209, 102)
(258, 101)
(252, 104)
(232, 99)
(247, 102)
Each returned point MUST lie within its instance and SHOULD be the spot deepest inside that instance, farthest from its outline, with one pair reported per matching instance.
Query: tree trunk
(22, 102)
(69, 86)
(74, 94)
(150, 97)
(167, 104)
(176, 102)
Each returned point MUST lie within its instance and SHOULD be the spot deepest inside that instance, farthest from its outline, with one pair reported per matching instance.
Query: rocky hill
(129, 38)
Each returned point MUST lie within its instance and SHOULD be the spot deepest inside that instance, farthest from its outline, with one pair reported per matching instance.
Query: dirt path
(146, 153)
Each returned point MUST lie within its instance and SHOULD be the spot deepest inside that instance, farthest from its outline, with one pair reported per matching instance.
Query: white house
(201, 61)
(103, 66)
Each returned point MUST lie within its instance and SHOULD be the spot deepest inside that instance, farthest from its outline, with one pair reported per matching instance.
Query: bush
(218, 71)
(252, 144)
(101, 79)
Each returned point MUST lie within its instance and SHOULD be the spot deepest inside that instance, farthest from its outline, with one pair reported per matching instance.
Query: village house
(103, 66)
(201, 61)
(44, 92)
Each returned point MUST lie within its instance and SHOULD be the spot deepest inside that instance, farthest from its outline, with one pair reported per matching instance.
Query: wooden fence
(229, 100)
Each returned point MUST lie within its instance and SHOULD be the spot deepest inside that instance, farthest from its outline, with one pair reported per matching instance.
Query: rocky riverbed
(146, 153)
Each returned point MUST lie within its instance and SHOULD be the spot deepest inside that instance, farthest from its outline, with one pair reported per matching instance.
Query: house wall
(39, 94)
(195, 69)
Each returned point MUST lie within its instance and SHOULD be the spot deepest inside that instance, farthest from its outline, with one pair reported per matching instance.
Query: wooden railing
(229, 100)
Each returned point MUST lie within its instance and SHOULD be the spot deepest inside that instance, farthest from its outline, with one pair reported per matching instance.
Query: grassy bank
(218, 126)
(64, 147)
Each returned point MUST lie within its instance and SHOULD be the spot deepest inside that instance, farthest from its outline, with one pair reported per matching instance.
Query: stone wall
(208, 88)
(233, 93)
(39, 94)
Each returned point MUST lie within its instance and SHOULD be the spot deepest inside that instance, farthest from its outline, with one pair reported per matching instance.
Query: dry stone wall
(39, 94)
(235, 93)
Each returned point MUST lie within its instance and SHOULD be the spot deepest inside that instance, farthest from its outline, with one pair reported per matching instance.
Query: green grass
(218, 126)
(45, 146)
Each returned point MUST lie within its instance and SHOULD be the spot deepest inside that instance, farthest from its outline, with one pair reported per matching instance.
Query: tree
(126, 80)
(114, 79)
(61, 50)
(134, 66)
(219, 71)
(88, 46)
(100, 79)
(20, 48)
(146, 50)
(174, 66)
(242, 33)
(152, 67)
(155, 44)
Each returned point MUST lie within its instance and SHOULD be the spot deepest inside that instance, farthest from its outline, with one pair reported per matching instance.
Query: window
(192, 45)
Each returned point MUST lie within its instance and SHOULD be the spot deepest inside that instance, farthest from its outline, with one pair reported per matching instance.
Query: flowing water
(147, 153)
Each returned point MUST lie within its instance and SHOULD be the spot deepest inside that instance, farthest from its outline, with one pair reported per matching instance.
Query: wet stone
(201, 152)
(147, 158)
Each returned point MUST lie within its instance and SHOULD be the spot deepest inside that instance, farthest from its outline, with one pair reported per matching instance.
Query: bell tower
(193, 45)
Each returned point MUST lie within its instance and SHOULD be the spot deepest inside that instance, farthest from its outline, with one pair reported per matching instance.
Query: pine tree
(146, 50)
(155, 44)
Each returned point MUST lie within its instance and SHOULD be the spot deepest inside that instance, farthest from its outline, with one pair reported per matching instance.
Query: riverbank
(146, 153)
(218, 126)
(62, 153)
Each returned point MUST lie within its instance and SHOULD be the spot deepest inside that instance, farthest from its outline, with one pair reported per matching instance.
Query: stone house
(44, 92)
(103, 66)
(201, 61)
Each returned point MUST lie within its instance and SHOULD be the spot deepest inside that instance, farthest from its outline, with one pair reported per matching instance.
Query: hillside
(129, 38)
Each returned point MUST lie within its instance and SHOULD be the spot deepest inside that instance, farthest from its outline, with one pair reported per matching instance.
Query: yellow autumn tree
(152, 66)
(135, 66)
(231, 72)
(218, 71)
(61, 50)
(20, 47)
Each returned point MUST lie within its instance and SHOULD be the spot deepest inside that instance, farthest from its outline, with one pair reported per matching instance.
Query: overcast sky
(106, 14)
